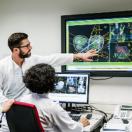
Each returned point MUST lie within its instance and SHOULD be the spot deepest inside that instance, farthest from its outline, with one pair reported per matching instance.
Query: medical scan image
(112, 41)
(70, 85)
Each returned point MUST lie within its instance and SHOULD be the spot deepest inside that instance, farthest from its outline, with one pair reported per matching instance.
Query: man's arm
(6, 105)
(63, 59)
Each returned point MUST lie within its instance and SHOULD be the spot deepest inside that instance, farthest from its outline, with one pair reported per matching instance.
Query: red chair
(23, 117)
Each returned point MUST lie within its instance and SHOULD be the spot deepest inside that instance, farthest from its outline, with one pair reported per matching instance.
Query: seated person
(40, 80)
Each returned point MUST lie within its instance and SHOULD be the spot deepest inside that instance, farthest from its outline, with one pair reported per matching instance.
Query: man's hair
(15, 40)
(40, 78)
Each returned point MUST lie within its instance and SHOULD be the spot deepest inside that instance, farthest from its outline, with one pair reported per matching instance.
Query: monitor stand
(68, 106)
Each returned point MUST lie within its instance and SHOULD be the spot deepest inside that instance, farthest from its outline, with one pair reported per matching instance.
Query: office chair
(23, 117)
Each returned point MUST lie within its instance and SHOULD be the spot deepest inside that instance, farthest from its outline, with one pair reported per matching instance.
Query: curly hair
(40, 78)
(15, 39)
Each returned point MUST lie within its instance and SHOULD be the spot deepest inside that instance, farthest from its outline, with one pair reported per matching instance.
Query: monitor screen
(71, 88)
(109, 33)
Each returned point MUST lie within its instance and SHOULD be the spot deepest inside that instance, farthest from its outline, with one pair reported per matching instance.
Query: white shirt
(52, 116)
(11, 83)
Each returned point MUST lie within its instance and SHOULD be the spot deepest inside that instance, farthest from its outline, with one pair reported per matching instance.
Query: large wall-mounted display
(109, 33)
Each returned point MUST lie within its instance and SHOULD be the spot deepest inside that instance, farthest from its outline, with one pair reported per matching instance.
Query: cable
(101, 78)
(110, 117)
(105, 114)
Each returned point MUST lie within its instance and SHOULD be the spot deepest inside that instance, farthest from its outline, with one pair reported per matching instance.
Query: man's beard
(24, 55)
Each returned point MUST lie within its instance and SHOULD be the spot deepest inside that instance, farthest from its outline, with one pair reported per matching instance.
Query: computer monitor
(71, 88)
(110, 33)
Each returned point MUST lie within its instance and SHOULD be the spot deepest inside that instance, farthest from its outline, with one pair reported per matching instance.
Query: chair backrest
(23, 117)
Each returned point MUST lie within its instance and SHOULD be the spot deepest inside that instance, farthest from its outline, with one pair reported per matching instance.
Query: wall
(41, 20)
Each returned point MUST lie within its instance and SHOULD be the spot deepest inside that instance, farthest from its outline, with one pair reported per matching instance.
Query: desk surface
(94, 122)
(116, 125)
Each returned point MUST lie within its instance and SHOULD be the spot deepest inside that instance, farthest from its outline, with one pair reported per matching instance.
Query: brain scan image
(96, 42)
(80, 42)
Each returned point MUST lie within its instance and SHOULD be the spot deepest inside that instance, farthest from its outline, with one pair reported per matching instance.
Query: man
(13, 67)
(40, 80)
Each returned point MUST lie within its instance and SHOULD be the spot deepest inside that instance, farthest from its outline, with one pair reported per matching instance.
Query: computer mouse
(89, 115)
(125, 121)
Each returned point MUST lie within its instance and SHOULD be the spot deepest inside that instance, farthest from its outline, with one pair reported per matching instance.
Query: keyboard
(75, 117)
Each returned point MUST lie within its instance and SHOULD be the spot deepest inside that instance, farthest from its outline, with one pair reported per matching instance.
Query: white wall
(41, 20)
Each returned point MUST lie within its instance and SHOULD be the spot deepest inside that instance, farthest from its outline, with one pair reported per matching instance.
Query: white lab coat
(52, 116)
(11, 82)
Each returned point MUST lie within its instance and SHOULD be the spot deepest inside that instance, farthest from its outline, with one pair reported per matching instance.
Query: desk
(96, 122)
